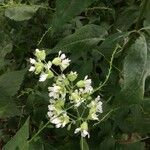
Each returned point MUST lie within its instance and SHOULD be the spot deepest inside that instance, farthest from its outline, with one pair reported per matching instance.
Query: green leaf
(108, 144)
(67, 9)
(5, 47)
(123, 21)
(83, 39)
(9, 85)
(132, 146)
(10, 82)
(83, 144)
(108, 45)
(132, 90)
(21, 12)
(19, 141)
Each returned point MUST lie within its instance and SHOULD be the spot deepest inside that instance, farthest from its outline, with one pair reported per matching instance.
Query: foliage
(88, 31)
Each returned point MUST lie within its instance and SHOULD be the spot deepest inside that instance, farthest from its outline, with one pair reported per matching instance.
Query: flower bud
(39, 67)
(75, 96)
(56, 61)
(40, 54)
(72, 76)
(84, 126)
(80, 84)
(65, 81)
(50, 74)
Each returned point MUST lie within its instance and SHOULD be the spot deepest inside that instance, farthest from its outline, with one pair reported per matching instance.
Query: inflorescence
(71, 100)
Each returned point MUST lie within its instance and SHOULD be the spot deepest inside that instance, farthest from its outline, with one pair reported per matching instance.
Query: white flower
(48, 65)
(94, 116)
(63, 56)
(76, 98)
(60, 121)
(54, 91)
(32, 61)
(32, 68)
(43, 77)
(88, 87)
(65, 62)
(83, 129)
(99, 104)
(95, 107)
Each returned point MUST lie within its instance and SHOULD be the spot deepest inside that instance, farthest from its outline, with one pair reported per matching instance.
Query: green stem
(109, 71)
(143, 7)
(39, 131)
(41, 39)
(81, 144)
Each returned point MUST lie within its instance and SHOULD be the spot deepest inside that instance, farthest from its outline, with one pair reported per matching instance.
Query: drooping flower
(95, 108)
(85, 85)
(61, 61)
(32, 68)
(43, 77)
(83, 129)
(54, 91)
(60, 121)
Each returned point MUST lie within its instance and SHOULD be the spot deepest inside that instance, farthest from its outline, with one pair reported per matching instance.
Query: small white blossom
(88, 87)
(95, 107)
(54, 91)
(32, 61)
(60, 121)
(65, 62)
(76, 98)
(32, 69)
(83, 129)
(48, 65)
(43, 77)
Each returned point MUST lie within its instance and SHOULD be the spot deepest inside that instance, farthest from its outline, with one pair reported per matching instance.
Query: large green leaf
(109, 44)
(9, 85)
(19, 141)
(123, 21)
(21, 12)
(134, 72)
(83, 39)
(67, 9)
(5, 47)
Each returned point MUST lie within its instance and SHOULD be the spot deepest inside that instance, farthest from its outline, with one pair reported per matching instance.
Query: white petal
(98, 98)
(32, 68)
(43, 77)
(84, 133)
(77, 130)
(50, 114)
(59, 53)
(32, 61)
(49, 64)
(58, 125)
(55, 120)
(63, 56)
(37, 50)
(85, 77)
(51, 107)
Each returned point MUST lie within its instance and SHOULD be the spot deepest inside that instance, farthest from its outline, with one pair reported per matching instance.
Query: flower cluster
(67, 93)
